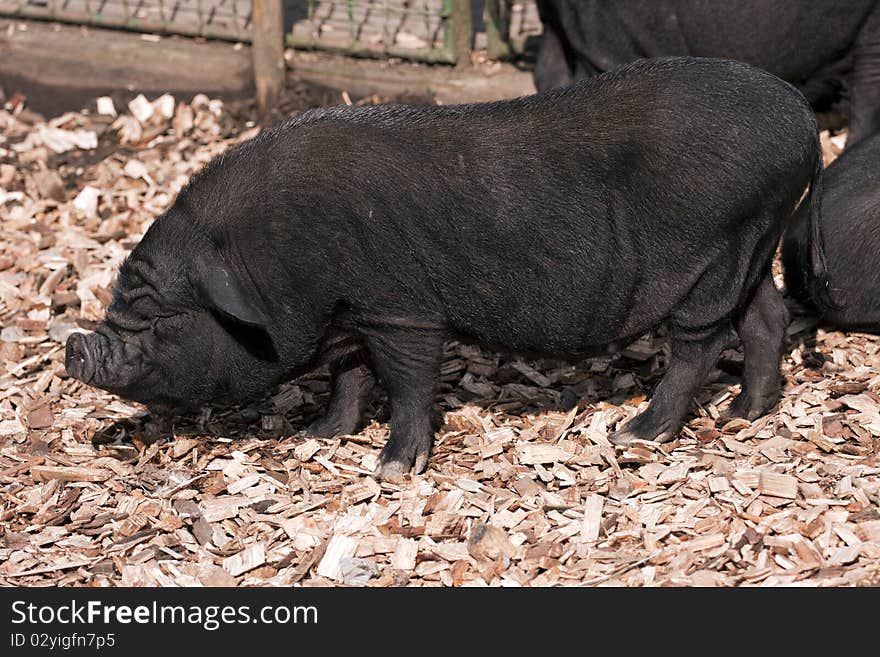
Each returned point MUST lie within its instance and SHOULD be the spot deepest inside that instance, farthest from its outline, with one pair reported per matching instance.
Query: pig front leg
(407, 364)
(351, 382)
(693, 355)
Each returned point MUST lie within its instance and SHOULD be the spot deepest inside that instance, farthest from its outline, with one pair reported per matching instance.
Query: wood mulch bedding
(523, 489)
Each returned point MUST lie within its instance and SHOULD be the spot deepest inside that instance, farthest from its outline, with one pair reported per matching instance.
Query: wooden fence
(425, 30)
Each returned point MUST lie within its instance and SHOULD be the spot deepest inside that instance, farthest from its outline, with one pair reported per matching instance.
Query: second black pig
(851, 225)
(829, 50)
(364, 237)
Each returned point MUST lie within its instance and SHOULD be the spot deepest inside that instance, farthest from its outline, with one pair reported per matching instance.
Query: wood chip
(141, 108)
(221, 508)
(404, 557)
(718, 484)
(307, 450)
(69, 473)
(490, 543)
(105, 106)
(777, 485)
(340, 547)
(41, 417)
(215, 576)
(532, 453)
(251, 557)
(592, 522)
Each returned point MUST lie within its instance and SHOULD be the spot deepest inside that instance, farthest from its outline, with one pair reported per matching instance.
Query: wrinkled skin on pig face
(162, 320)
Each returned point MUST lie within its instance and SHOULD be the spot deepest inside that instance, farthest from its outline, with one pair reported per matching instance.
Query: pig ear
(226, 294)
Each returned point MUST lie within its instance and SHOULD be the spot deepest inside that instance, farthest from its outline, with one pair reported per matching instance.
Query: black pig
(829, 50)
(851, 224)
(363, 237)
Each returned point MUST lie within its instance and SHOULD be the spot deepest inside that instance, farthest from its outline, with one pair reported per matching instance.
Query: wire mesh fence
(415, 29)
(222, 19)
(428, 30)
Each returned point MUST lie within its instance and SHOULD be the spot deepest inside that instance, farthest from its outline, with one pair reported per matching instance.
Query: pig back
(585, 215)
(555, 222)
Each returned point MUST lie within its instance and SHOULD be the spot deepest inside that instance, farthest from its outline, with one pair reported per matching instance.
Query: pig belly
(559, 301)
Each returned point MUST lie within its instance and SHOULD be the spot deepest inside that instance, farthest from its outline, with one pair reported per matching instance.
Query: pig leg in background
(407, 364)
(552, 69)
(761, 327)
(693, 355)
(351, 382)
(864, 119)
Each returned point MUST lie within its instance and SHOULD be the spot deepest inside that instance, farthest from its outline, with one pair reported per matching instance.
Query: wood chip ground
(523, 489)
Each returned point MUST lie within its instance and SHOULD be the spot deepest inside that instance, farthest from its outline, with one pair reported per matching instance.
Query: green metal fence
(430, 30)
(427, 30)
(220, 19)
(512, 27)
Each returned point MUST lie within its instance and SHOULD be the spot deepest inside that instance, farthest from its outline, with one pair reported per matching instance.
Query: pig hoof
(393, 471)
(639, 429)
(624, 438)
(743, 407)
(393, 464)
(330, 427)
(421, 462)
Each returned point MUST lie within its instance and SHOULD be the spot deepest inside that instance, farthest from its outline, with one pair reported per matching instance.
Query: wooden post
(462, 30)
(268, 51)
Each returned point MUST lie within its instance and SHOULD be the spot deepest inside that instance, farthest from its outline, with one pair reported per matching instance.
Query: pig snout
(105, 360)
(79, 357)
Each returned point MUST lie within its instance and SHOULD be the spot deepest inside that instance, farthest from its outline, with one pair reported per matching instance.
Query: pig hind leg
(351, 383)
(761, 327)
(864, 117)
(407, 364)
(694, 352)
(552, 68)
